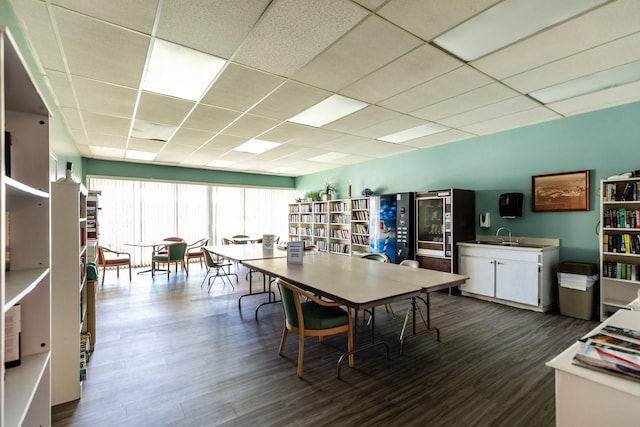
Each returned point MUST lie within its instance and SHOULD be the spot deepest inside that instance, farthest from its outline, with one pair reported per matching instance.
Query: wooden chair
(111, 258)
(313, 317)
(194, 251)
(175, 253)
(163, 250)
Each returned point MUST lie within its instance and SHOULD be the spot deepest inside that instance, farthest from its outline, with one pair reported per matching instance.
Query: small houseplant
(328, 189)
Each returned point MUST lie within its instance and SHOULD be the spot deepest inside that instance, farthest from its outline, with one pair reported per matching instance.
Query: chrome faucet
(504, 228)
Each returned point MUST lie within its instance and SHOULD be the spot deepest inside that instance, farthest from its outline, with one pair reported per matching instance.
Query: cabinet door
(517, 281)
(481, 275)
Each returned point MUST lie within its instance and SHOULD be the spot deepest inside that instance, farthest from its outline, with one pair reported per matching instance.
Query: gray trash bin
(576, 283)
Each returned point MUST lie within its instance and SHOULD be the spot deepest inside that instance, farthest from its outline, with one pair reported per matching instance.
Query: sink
(508, 244)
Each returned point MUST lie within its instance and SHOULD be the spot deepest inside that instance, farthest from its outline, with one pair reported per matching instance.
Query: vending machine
(391, 226)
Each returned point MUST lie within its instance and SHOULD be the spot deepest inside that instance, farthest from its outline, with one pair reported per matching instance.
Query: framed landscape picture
(568, 191)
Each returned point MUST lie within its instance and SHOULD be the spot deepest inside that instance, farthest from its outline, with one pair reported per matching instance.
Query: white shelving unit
(360, 225)
(620, 244)
(340, 226)
(69, 288)
(25, 392)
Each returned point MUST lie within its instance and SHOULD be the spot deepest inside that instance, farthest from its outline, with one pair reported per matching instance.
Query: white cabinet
(25, 390)
(522, 277)
(620, 248)
(69, 288)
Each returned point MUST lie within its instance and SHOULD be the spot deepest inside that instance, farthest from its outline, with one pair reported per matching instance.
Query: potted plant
(327, 190)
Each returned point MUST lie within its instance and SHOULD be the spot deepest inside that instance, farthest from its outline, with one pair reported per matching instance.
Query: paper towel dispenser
(510, 205)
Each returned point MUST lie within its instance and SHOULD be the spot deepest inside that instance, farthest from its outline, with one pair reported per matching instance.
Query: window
(148, 211)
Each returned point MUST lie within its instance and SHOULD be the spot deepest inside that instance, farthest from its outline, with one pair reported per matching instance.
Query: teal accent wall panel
(174, 173)
(606, 142)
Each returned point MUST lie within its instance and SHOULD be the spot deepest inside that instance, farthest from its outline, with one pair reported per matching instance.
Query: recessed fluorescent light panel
(220, 163)
(178, 71)
(508, 22)
(413, 133)
(256, 146)
(327, 111)
(328, 157)
(139, 155)
(588, 84)
(281, 170)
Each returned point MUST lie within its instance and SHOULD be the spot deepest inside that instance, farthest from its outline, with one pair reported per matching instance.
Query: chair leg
(104, 271)
(283, 340)
(300, 352)
(118, 271)
(129, 271)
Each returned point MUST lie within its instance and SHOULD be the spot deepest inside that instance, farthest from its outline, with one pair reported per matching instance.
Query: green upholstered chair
(241, 239)
(175, 253)
(313, 317)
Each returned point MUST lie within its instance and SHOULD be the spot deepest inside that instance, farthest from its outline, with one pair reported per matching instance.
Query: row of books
(361, 228)
(360, 204)
(621, 243)
(619, 270)
(360, 215)
(85, 352)
(320, 232)
(340, 218)
(614, 193)
(320, 207)
(340, 234)
(613, 350)
(621, 218)
(339, 206)
(360, 240)
(340, 248)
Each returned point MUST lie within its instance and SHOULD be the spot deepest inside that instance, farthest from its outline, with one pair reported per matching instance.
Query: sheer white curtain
(134, 211)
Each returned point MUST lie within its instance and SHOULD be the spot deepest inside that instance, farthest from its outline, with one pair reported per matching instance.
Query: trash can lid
(572, 267)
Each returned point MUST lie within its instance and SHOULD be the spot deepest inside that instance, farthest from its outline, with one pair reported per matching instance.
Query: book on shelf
(12, 335)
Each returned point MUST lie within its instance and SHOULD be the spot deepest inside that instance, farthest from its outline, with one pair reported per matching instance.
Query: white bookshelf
(25, 392)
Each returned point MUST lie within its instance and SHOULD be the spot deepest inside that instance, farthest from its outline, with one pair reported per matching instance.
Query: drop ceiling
(284, 56)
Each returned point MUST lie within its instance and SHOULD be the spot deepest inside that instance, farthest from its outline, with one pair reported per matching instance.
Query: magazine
(605, 358)
(612, 341)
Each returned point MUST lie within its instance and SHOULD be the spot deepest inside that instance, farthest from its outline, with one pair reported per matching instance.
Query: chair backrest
(174, 239)
(377, 257)
(208, 259)
(100, 256)
(410, 263)
(194, 248)
(226, 241)
(290, 302)
(177, 250)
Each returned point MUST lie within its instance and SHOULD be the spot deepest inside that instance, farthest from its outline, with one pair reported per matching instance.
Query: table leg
(358, 348)
(414, 332)
(264, 291)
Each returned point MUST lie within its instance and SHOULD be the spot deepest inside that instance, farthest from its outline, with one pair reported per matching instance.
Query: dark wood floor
(169, 354)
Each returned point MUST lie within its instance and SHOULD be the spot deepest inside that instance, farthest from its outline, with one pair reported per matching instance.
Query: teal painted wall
(60, 142)
(605, 142)
(173, 173)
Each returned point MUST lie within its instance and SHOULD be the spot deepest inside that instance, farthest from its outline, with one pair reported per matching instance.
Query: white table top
(152, 244)
(246, 252)
(621, 318)
(356, 282)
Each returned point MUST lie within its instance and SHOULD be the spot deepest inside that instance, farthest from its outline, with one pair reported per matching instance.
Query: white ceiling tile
(62, 89)
(613, 20)
(73, 119)
(291, 33)
(211, 119)
(111, 54)
(104, 98)
(240, 87)
(111, 141)
(41, 33)
(138, 15)
(594, 101)
(370, 4)
(190, 137)
(370, 45)
(250, 126)
(162, 109)
(439, 138)
(522, 118)
(388, 127)
(430, 18)
(416, 67)
(216, 27)
(146, 145)
(288, 100)
(447, 86)
(108, 125)
(490, 112)
(173, 153)
(367, 117)
(485, 95)
(603, 57)
(225, 142)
